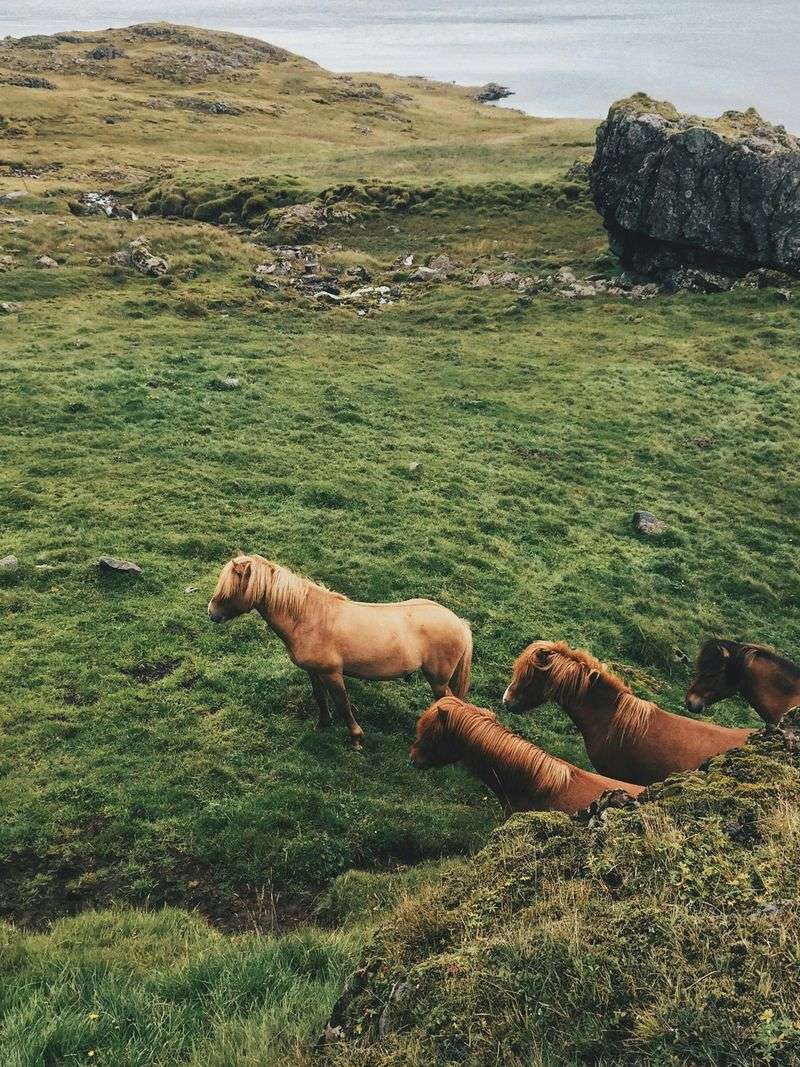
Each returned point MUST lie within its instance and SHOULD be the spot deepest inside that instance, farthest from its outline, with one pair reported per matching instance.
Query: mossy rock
(653, 933)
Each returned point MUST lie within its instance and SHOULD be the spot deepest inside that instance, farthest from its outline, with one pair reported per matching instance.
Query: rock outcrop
(676, 190)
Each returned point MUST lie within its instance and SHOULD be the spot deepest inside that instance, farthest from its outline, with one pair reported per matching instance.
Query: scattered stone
(9, 307)
(230, 382)
(784, 294)
(111, 563)
(101, 204)
(209, 107)
(424, 274)
(27, 81)
(491, 92)
(645, 522)
(143, 260)
(580, 171)
(415, 467)
(120, 259)
(364, 130)
(106, 51)
(46, 263)
(695, 280)
(191, 589)
(9, 565)
(444, 264)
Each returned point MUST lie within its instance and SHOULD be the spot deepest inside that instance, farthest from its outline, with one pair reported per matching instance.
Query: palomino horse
(768, 682)
(625, 737)
(332, 637)
(522, 776)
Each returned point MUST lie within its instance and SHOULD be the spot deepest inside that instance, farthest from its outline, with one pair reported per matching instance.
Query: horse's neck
(282, 618)
(594, 713)
(770, 689)
(507, 779)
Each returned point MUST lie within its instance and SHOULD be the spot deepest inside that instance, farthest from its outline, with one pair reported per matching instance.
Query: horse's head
(530, 677)
(715, 676)
(436, 743)
(233, 595)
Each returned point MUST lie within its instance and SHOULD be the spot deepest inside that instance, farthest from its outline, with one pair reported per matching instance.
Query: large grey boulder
(676, 191)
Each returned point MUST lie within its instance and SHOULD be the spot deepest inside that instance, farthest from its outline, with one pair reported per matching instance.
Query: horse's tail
(459, 683)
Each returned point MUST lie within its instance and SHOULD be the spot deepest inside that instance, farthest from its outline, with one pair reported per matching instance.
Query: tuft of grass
(163, 988)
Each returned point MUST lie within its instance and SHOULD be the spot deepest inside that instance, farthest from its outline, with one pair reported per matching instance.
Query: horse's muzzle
(214, 615)
(695, 704)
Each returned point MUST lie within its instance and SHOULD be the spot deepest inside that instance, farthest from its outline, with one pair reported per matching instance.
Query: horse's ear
(441, 714)
(594, 674)
(543, 655)
(241, 567)
(723, 651)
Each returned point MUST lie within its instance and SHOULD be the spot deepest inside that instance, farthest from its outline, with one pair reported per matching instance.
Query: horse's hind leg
(334, 683)
(321, 697)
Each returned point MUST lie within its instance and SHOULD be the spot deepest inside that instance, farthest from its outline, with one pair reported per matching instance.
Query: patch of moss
(660, 932)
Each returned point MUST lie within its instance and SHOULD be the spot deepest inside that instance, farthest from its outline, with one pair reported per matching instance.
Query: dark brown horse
(522, 776)
(769, 683)
(625, 737)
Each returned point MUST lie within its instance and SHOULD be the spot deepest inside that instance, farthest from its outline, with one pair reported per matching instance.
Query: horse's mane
(268, 583)
(711, 659)
(482, 735)
(572, 672)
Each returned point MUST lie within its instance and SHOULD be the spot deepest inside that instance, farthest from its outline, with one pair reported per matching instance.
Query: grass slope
(148, 758)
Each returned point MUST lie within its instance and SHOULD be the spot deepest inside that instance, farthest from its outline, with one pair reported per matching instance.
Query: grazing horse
(625, 737)
(332, 637)
(768, 682)
(522, 776)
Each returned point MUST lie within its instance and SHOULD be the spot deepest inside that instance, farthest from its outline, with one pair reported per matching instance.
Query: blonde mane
(571, 673)
(482, 736)
(257, 581)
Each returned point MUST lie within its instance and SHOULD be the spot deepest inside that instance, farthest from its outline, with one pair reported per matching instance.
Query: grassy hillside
(483, 446)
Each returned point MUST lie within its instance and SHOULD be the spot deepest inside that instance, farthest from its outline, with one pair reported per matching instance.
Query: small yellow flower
(767, 1016)
(92, 1015)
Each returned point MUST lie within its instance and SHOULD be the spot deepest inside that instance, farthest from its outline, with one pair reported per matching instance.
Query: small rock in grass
(230, 382)
(9, 307)
(46, 262)
(645, 522)
(191, 589)
(424, 274)
(9, 565)
(111, 563)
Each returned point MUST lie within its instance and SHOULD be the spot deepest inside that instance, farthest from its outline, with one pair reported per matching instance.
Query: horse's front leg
(321, 697)
(334, 683)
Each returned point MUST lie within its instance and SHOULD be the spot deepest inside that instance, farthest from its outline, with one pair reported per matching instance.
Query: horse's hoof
(356, 744)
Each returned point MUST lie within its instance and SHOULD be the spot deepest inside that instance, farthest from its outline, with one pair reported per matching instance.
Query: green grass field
(148, 758)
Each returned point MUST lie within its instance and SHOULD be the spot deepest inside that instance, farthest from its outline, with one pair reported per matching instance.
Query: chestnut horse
(522, 776)
(625, 737)
(767, 681)
(332, 637)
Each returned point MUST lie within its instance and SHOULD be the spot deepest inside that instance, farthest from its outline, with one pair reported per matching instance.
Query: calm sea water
(562, 57)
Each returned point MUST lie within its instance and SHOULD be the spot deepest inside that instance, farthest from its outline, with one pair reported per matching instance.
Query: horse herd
(630, 742)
